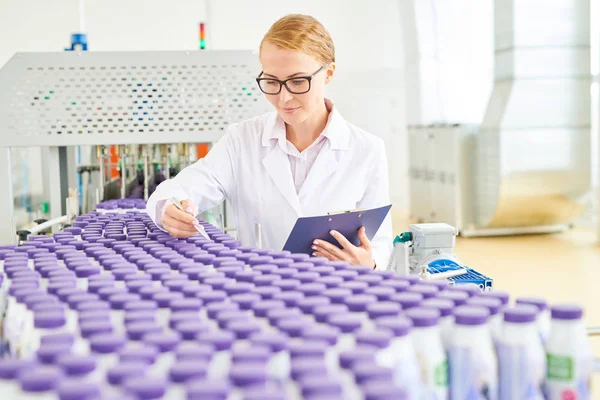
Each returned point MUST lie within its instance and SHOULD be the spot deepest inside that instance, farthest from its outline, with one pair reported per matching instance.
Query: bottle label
(568, 377)
(521, 374)
(471, 377)
(434, 378)
(560, 368)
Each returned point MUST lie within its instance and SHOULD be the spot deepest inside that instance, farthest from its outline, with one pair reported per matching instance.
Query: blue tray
(485, 283)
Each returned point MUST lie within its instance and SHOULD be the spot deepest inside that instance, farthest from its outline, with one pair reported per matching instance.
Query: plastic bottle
(494, 306)
(445, 307)
(568, 354)
(543, 318)
(430, 352)
(521, 356)
(472, 359)
(400, 355)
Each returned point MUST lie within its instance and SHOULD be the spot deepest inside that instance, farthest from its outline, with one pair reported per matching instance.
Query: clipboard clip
(345, 211)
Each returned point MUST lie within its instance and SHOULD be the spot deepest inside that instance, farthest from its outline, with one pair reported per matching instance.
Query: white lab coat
(250, 170)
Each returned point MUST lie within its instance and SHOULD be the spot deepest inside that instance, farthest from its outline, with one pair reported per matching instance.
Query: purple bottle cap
(267, 392)
(96, 315)
(135, 286)
(493, 305)
(256, 354)
(368, 371)
(11, 368)
(355, 286)
(189, 329)
(22, 293)
(380, 338)
(76, 365)
(266, 292)
(257, 260)
(265, 268)
(306, 366)
(381, 292)
(303, 266)
(164, 341)
(243, 329)
(137, 330)
(345, 322)
(186, 370)
(323, 270)
(49, 319)
(428, 291)
(91, 328)
(326, 386)
(245, 301)
(212, 297)
(232, 287)
(164, 299)
(540, 303)
(141, 305)
(194, 352)
(49, 307)
(282, 262)
(248, 374)
(471, 289)
(53, 338)
(278, 314)
(221, 340)
(33, 300)
(290, 298)
(322, 313)
(205, 259)
(330, 281)
(140, 316)
(185, 304)
(308, 304)
(444, 306)
(266, 279)
(40, 379)
(132, 353)
(288, 273)
(118, 301)
(275, 341)
(324, 334)
(566, 312)
(412, 279)
(359, 303)
(504, 297)
(49, 353)
(347, 274)
(148, 292)
(95, 286)
(314, 349)
(371, 278)
(18, 287)
(312, 289)
(78, 390)
(225, 317)
(76, 299)
(521, 314)
(407, 299)
(358, 355)
(214, 308)
(157, 274)
(208, 390)
(471, 315)
(324, 261)
(118, 373)
(423, 317)
(383, 309)
(294, 326)
(458, 297)
(193, 288)
(399, 326)
(287, 284)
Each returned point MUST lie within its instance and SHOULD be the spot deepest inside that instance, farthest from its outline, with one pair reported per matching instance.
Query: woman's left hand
(356, 255)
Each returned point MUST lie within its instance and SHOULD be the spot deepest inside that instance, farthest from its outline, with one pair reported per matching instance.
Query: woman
(302, 160)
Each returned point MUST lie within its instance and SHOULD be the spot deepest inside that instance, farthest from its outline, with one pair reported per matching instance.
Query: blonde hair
(302, 33)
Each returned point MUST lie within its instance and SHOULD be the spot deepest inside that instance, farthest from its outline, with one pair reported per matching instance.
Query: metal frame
(106, 98)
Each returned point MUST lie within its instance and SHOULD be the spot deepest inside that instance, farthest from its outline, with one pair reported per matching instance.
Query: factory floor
(561, 267)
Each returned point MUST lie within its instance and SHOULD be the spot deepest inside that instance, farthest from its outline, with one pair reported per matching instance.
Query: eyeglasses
(295, 85)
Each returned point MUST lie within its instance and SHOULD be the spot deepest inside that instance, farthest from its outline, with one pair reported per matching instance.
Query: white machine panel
(67, 98)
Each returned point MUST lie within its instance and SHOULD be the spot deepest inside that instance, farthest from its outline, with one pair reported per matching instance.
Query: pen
(197, 225)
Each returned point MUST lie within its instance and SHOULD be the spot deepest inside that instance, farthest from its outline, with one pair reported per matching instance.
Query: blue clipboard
(307, 229)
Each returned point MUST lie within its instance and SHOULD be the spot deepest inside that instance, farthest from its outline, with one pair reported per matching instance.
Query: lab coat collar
(336, 130)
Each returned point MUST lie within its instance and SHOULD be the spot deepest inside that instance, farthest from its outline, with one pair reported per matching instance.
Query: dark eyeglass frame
(284, 82)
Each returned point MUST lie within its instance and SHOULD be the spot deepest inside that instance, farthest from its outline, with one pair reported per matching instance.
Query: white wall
(368, 88)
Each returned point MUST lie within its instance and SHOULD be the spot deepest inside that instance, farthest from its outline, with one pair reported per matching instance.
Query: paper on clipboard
(307, 229)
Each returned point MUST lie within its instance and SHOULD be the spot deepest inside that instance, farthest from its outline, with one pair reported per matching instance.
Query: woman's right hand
(180, 224)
